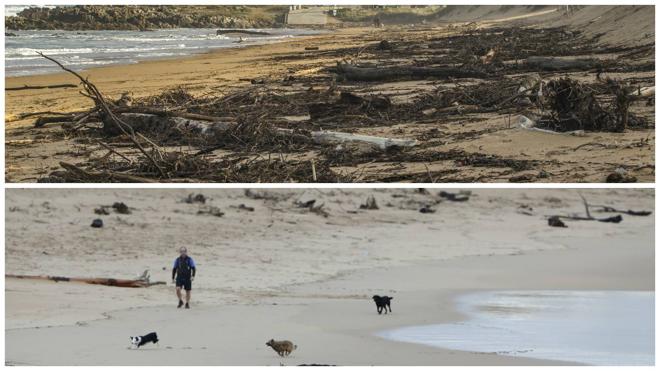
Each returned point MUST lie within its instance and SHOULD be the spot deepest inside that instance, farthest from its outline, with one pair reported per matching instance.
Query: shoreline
(200, 52)
(213, 70)
(210, 53)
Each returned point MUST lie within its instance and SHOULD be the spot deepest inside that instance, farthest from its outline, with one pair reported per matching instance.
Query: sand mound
(613, 25)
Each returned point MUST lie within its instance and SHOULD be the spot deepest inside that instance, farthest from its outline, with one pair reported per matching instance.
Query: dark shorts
(186, 283)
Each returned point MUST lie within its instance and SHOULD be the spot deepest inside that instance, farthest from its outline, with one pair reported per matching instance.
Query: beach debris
(126, 100)
(573, 106)
(384, 45)
(101, 211)
(349, 104)
(356, 73)
(105, 111)
(562, 64)
(525, 209)
(319, 210)
(93, 281)
(195, 199)
(245, 208)
(121, 208)
(97, 223)
(647, 91)
(370, 204)
(210, 210)
(620, 176)
(313, 130)
(305, 204)
(489, 57)
(426, 209)
(144, 276)
(311, 206)
(263, 195)
(454, 197)
(379, 142)
(555, 221)
(239, 31)
(38, 87)
(523, 178)
(612, 219)
(311, 48)
(609, 209)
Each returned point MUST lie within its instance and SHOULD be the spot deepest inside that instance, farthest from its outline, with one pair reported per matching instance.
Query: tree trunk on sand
(354, 73)
(93, 281)
(558, 64)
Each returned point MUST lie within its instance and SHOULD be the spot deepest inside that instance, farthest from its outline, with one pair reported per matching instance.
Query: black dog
(138, 341)
(382, 302)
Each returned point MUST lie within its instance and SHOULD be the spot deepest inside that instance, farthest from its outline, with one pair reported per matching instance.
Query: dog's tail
(389, 297)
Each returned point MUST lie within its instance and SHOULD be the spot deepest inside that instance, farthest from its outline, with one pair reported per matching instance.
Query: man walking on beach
(184, 272)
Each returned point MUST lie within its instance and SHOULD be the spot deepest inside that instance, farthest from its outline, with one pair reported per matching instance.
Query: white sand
(319, 271)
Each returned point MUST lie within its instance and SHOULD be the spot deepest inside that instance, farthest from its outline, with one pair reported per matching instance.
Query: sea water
(80, 50)
(606, 328)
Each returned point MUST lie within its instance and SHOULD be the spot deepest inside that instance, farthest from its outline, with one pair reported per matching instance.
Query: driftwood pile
(557, 220)
(574, 106)
(270, 131)
(148, 128)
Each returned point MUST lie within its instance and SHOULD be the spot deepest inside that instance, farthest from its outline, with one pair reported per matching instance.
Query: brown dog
(283, 348)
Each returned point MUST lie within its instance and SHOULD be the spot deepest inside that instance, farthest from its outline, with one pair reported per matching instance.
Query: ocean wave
(81, 49)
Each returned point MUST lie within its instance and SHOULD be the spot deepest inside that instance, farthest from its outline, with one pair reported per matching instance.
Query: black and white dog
(138, 341)
(382, 302)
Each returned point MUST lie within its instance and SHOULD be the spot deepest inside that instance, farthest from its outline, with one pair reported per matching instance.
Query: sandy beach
(283, 272)
(449, 139)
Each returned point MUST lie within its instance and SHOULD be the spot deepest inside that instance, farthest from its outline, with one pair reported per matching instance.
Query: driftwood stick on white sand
(380, 142)
(93, 281)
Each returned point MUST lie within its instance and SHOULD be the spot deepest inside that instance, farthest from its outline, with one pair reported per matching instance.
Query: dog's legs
(389, 307)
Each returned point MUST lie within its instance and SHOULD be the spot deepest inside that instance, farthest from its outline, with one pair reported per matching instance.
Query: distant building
(313, 15)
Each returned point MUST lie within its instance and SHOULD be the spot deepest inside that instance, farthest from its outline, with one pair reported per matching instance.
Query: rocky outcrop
(121, 17)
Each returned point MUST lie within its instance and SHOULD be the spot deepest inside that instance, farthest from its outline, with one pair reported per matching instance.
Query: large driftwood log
(324, 137)
(35, 87)
(558, 64)
(92, 281)
(244, 32)
(147, 122)
(355, 73)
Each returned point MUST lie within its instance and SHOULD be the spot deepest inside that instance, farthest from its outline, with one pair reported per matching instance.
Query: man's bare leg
(187, 298)
(178, 295)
